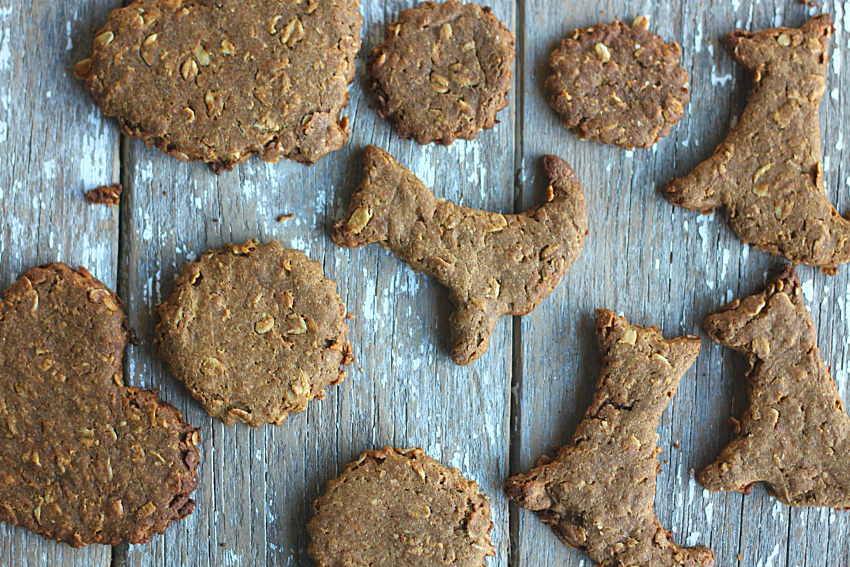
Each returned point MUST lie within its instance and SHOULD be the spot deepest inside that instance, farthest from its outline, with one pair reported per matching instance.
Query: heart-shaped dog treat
(219, 81)
(83, 458)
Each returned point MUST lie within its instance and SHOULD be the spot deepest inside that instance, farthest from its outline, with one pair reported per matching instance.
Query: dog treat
(400, 507)
(105, 195)
(217, 82)
(618, 85)
(443, 71)
(492, 264)
(598, 492)
(795, 433)
(83, 458)
(768, 172)
(254, 332)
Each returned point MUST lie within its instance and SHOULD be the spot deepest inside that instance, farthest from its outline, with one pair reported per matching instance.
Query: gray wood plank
(655, 264)
(53, 146)
(257, 485)
(664, 266)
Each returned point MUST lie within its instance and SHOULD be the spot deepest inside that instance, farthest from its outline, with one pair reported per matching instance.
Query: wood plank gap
(118, 553)
(516, 334)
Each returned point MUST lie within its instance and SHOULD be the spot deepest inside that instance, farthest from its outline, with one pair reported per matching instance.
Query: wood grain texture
(54, 145)
(655, 264)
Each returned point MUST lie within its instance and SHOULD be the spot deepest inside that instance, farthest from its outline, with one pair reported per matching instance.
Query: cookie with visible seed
(492, 264)
(768, 173)
(795, 433)
(83, 458)
(598, 492)
(400, 507)
(220, 81)
(618, 84)
(254, 332)
(443, 71)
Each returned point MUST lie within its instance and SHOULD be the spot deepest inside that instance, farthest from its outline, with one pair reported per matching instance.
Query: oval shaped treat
(83, 459)
(618, 85)
(443, 71)
(400, 507)
(219, 81)
(254, 331)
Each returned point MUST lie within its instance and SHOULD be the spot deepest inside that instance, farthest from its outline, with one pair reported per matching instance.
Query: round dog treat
(219, 81)
(400, 507)
(254, 331)
(618, 85)
(443, 71)
(83, 458)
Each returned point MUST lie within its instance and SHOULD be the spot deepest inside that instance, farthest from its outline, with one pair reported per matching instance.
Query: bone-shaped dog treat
(492, 264)
(768, 172)
(597, 494)
(795, 434)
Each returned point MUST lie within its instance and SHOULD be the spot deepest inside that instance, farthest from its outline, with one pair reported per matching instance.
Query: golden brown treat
(794, 434)
(83, 459)
(105, 195)
(254, 332)
(220, 81)
(492, 264)
(443, 71)
(597, 494)
(618, 85)
(768, 172)
(400, 507)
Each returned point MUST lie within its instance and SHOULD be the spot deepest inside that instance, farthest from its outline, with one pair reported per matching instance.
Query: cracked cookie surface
(618, 84)
(83, 458)
(254, 331)
(400, 507)
(597, 493)
(768, 172)
(492, 264)
(220, 81)
(795, 433)
(443, 71)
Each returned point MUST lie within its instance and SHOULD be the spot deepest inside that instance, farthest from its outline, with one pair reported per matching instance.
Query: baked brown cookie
(443, 71)
(598, 492)
(768, 172)
(83, 458)
(400, 507)
(618, 84)
(219, 81)
(254, 332)
(794, 434)
(492, 264)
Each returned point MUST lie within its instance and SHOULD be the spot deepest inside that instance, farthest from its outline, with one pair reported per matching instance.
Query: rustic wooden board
(54, 144)
(655, 264)
(669, 267)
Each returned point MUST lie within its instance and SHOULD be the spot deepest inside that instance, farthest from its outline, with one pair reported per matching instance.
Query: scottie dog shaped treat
(768, 172)
(597, 493)
(493, 264)
(794, 434)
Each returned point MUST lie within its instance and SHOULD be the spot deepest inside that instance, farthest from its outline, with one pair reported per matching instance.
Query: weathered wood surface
(655, 264)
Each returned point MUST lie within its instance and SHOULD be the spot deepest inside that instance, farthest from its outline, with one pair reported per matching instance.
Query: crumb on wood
(349, 315)
(165, 193)
(676, 445)
(287, 216)
(215, 220)
(222, 544)
(105, 195)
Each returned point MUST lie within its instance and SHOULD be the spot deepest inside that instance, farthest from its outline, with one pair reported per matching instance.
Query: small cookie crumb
(287, 216)
(105, 195)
